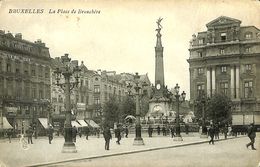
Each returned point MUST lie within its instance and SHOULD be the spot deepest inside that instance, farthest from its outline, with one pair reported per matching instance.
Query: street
(227, 153)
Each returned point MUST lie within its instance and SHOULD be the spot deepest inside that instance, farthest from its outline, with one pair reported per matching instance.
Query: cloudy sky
(122, 37)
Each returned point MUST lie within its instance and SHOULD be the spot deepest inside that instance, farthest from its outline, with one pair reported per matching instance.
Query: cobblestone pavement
(226, 153)
(13, 155)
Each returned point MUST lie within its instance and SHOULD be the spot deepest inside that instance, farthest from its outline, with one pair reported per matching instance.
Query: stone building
(226, 59)
(24, 80)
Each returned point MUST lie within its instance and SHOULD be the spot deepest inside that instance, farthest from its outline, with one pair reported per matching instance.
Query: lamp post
(67, 70)
(138, 135)
(178, 100)
(204, 128)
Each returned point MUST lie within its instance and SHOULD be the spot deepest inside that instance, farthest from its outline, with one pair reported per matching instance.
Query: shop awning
(83, 123)
(44, 122)
(74, 123)
(6, 124)
(92, 124)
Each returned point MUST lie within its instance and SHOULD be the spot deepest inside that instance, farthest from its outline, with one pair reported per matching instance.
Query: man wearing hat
(251, 134)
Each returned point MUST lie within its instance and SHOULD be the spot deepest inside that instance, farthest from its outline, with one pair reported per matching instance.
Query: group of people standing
(165, 130)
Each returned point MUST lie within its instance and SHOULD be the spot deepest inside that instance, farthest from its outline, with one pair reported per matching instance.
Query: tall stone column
(208, 83)
(213, 80)
(237, 82)
(232, 82)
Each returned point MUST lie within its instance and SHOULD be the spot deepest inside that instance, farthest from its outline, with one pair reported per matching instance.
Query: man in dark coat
(150, 131)
(225, 131)
(211, 132)
(87, 132)
(74, 133)
(107, 136)
(164, 131)
(118, 135)
(172, 131)
(50, 133)
(30, 134)
(126, 132)
(9, 134)
(158, 130)
(251, 134)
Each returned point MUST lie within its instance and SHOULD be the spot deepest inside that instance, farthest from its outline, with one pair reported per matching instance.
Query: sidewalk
(43, 153)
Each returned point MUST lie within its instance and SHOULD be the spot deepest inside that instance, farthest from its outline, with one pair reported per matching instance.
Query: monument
(159, 105)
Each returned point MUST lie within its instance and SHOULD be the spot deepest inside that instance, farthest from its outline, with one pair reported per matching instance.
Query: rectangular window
(34, 96)
(223, 36)
(201, 41)
(224, 88)
(200, 89)
(200, 71)
(222, 51)
(96, 89)
(17, 67)
(200, 54)
(224, 69)
(248, 35)
(248, 89)
(248, 50)
(248, 67)
(47, 73)
(33, 72)
(0, 65)
(8, 67)
(97, 100)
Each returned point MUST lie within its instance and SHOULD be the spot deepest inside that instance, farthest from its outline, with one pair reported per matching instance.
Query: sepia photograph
(120, 83)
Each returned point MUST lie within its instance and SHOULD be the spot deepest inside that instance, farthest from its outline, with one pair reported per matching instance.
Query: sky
(121, 37)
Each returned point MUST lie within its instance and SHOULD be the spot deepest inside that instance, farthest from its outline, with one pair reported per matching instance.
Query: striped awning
(6, 124)
(74, 123)
(83, 123)
(44, 122)
(92, 124)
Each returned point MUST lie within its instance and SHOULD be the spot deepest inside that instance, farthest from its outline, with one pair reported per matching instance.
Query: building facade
(24, 80)
(226, 59)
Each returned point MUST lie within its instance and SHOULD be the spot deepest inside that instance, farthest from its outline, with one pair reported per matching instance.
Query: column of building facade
(208, 82)
(213, 74)
(13, 79)
(232, 82)
(22, 72)
(237, 82)
(4, 79)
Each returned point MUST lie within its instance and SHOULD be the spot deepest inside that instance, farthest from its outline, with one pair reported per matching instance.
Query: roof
(223, 20)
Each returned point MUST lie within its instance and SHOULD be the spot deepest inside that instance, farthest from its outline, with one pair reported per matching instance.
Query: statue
(159, 24)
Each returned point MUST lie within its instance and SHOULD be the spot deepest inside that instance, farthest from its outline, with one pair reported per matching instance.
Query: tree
(127, 107)
(219, 109)
(111, 111)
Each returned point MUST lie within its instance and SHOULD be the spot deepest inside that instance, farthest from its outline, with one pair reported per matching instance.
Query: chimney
(18, 36)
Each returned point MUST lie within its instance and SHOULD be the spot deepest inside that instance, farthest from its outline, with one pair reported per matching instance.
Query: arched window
(248, 35)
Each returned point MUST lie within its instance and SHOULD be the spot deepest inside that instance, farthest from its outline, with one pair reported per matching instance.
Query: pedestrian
(118, 135)
(50, 133)
(225, 131)
(251, 134)
(126, 132)
(98, 132)
(74, 133)
(79, 132)
(29, 133)
(172, 131)
(9, 134)
(158, 130)
(217, 131)
(164, 131)
(149, 131)
(107, 136)
(211, 134)
(87, 132)
(187, 128)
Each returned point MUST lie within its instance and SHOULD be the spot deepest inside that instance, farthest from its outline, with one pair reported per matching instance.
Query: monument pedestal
(69, 147)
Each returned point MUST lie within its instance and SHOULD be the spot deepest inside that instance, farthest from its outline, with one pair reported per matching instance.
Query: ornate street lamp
(138, 137)
(178, 101)
(67, 70)
(204, 128)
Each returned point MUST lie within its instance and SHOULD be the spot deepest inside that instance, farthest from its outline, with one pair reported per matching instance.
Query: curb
(127, 152)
